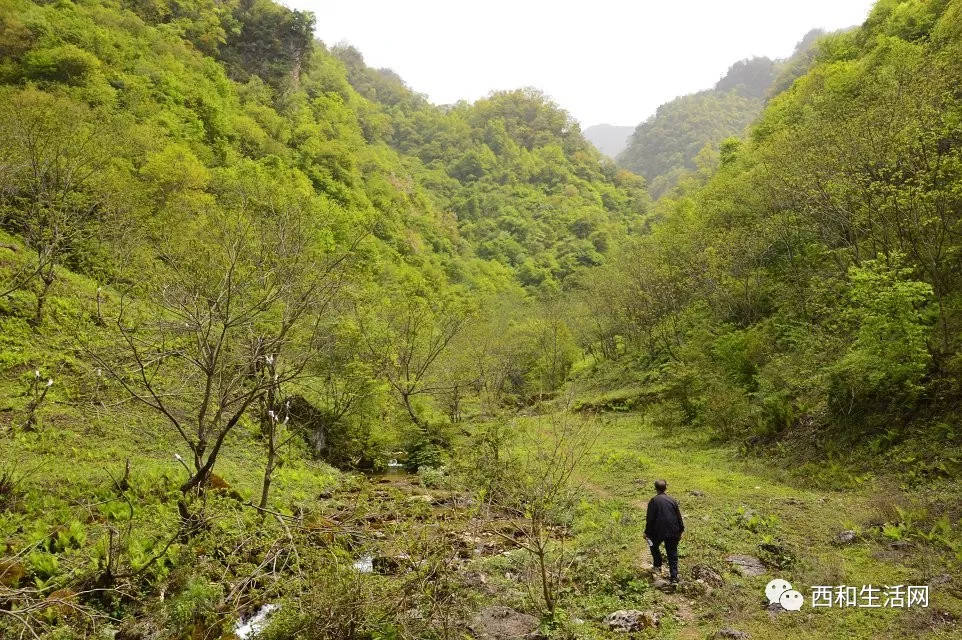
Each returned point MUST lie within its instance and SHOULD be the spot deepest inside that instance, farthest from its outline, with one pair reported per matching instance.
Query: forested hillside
(527, 189)
(278, 336)
(805, 292)
(668, 145)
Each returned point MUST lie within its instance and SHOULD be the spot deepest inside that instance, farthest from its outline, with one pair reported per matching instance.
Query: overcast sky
(604, 61)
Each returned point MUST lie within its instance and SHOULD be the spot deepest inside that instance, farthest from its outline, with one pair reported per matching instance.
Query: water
(255, 624)
(365, 564)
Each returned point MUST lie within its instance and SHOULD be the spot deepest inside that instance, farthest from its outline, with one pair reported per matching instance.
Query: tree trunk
(268, 472)
(265, 489)
(42, 298)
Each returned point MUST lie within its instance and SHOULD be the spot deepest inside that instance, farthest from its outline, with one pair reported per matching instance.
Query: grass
(740, 504)
(58, 493)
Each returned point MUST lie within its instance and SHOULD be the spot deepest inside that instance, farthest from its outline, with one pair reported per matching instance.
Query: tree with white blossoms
(37, 394)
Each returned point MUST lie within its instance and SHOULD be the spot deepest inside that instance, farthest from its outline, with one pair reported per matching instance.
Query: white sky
(602, 60)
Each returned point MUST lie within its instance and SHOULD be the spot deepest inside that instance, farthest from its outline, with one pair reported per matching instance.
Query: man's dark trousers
(671, 550)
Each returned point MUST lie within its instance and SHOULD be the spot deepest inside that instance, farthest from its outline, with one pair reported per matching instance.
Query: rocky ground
(747, 523)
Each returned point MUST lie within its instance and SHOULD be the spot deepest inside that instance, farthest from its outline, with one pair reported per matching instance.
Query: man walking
(664, 525)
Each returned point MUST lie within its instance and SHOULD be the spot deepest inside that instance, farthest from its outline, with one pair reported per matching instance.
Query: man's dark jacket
(664, 518)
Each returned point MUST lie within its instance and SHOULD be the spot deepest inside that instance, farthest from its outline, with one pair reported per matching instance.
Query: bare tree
(412, 334)
(542, 492)
(52, 148)
(232, 317)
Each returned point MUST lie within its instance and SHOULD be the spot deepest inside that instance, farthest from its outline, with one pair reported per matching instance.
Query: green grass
(87, 433)
(801, 520)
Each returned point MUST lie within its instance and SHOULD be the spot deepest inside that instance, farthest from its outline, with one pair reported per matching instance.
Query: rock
(631, 620)
(846, 537)
(900, 544)
(941, 580)
(503, 623)
(696, 493)
(662, 585)
(731, 634)
(708, 575)
(774, 607)
(747, 565)
(425, 498)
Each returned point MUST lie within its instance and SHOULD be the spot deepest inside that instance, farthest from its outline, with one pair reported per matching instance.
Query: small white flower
(270, 359)
(36, 373)
(49, 381)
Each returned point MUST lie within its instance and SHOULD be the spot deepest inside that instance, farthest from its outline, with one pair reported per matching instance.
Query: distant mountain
(663, 147)
(609, 139)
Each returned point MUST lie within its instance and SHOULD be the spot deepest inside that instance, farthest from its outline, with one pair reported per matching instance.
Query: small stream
(249, 628)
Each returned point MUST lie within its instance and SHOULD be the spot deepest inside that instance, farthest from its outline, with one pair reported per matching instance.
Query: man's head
(660, 486)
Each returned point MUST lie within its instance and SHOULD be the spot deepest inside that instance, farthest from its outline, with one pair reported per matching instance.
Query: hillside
(287, 351)
(798, 298)
(527, 189)
(609, 139)
(666, 146)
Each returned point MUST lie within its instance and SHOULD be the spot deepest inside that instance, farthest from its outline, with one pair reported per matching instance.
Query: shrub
(67, 63)
(889, 356)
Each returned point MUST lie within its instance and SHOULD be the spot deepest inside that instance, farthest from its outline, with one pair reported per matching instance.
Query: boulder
(631, 620)
(846, 537)
(747, 565)
(503, 623)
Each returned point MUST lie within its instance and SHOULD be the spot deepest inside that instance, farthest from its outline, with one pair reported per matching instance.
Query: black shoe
(674, 580)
